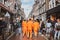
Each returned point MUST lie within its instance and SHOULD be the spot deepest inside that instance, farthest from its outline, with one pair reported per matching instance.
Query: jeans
(18, 31)
(57, 32)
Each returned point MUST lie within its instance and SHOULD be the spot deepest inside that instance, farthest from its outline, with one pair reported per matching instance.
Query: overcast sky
(27, 5)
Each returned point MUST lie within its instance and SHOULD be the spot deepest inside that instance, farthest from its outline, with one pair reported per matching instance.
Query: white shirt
(48, 24)
(57, 24)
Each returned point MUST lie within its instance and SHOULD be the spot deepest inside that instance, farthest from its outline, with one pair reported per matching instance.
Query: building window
(53, 3)
(43, 1)
(40, 1)
(15, 6)
(42, 9)
(50, 4)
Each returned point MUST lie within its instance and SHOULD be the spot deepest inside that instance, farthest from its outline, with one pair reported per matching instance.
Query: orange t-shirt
(24, 24)
(30, 25)
(36, 25)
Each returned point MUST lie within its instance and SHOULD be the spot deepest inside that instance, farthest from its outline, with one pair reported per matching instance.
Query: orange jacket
(30, 25)
(36, 25)
(24, 24)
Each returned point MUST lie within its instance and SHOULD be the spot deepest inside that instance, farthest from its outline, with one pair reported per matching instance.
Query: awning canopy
(6, 8)
(54, 10)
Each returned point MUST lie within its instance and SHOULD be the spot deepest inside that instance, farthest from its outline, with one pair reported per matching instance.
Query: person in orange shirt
(24, 27)
(29, 26)
(35, 27)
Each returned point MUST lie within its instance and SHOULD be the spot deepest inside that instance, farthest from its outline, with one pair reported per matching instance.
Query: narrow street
(39, 19)
(19, 37)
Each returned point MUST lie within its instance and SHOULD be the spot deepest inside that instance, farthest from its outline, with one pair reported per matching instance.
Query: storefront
(7, 16)
(54, 11)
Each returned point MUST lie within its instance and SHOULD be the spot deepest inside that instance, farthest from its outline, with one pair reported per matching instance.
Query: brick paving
(19, 37)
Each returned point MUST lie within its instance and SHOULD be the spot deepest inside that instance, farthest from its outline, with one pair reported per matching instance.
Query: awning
(6, 8)
(54, 10)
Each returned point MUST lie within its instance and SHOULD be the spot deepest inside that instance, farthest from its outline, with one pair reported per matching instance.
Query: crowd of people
(30, 26)
(53, 28)
(33, 27)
